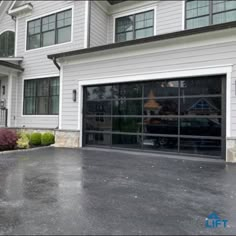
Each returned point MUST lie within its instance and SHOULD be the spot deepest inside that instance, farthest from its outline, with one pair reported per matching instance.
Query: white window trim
(181, 73)
(132, 12)
(48, 14)
(183, 14)
(22, 96)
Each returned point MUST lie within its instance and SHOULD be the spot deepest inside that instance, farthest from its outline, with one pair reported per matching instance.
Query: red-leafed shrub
(8, 139)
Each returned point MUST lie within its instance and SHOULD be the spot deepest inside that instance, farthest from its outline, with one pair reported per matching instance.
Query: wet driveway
(68, 191)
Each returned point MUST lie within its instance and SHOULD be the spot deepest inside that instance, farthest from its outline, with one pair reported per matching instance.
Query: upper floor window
(135, 26)
(41, 96)
(49, 30)
(7, 44)
(201, 13)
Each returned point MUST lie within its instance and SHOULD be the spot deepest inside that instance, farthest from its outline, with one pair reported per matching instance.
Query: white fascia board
(25, 8)
(16, 59)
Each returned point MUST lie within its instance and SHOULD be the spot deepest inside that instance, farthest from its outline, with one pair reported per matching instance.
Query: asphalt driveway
(69, 191)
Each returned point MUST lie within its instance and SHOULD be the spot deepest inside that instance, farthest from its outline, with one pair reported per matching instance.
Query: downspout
(55, 63)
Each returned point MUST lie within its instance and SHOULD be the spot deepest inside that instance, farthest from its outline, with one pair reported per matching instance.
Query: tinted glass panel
(127, 107)
(64, 35)
(161, 89)
(153, 125)
(98, 108)
(99, 92)
(201, 86)
(98, 139)
(156, 107)
(201, 106)
(166, 144)
(131, 125)
(98, 123)
(126, 141)
(201, 146)
(201, 127)
(127, 91)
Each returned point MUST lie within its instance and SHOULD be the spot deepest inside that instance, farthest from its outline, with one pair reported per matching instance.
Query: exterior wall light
(74, 95)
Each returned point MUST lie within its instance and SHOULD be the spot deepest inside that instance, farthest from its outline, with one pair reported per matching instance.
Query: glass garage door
(180, 116)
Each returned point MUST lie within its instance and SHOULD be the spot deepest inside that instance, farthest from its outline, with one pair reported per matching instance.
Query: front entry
(181, 116)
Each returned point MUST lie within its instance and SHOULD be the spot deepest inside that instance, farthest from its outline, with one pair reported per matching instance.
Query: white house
(153, 76)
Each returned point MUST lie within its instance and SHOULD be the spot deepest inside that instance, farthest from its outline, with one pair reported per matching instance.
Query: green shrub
(23, 141)
(35, 139)
(28, 136)
(47, 139)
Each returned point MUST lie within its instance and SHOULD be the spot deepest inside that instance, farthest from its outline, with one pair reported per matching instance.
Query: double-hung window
(49, 30)
(41, 96)
(135, 26)
(200, 13)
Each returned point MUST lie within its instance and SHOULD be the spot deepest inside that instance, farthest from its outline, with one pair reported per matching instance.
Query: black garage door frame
(178, 117)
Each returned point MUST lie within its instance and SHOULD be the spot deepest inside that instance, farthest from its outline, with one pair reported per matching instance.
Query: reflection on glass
(200, 106)
(124, 124)
(98, 92)
(153, 125)
(126, 141)
(156, 107)
(98, 139)
(201, 127)
(164, 88)
(201, 146)
(200, 86)
(127, 107)
(98, 108)
(168, 144)
(98, 123)
(131, 90)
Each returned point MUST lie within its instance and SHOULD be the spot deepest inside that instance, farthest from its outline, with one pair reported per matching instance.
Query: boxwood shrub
(47, 139)
(35, 139)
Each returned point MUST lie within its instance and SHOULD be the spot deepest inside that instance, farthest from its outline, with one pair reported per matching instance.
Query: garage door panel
(177, 115)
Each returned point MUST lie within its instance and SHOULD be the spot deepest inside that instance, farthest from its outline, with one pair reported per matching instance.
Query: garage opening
(185, 116)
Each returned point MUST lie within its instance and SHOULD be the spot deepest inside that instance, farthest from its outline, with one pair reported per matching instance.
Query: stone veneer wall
(63, 138)
(231, 150)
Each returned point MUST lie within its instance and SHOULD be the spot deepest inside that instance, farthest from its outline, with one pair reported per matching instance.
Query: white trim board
(132, 12)
(192, 72)
(48, 14)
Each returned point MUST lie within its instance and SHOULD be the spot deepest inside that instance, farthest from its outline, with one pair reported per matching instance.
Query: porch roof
(162, 37)
(11, 65)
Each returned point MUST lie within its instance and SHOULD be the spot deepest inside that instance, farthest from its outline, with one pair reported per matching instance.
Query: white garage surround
(182, 73)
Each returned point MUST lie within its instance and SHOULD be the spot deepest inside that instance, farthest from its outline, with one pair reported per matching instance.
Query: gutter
(157, 38)
(11, 65)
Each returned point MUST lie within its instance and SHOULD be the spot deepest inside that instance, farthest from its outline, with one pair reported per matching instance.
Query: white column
(9, 99)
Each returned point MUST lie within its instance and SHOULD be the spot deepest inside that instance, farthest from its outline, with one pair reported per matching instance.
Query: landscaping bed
(12, 140)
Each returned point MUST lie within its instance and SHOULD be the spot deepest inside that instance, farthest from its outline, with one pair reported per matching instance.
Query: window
(49, 30)
(41, 96)
(200, 13)
(136, 26)
(7, 44)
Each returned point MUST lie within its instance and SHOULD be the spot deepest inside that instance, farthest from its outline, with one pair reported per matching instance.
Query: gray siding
(5, 20)
(35, 61)
(98, 29)
(169, 17)
(209, 53)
